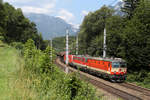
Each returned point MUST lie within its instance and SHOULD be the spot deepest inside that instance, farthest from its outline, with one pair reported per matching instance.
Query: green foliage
(10, 63)
(140, 78)
(129, 7)
(59, 43)
(115, 35)
(127, 37)
(136, 42)
(92, 27)
(29, 49)
(18, 45)
(14, 27)
(48, 81)
(1, 37)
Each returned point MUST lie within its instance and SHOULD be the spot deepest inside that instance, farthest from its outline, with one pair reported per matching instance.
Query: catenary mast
(67, 49)
(77, 44)
(51, 50)
(104, 45)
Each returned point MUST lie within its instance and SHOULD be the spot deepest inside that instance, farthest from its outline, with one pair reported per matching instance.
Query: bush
(141, 78)
(17, 45)
(49, 82)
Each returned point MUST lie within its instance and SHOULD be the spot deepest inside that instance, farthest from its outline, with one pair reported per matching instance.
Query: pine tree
(136, 44)
(129, 7)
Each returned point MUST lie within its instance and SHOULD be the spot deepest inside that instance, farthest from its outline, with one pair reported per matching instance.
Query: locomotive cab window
(115, 65)
(123, 64)
(118, 64)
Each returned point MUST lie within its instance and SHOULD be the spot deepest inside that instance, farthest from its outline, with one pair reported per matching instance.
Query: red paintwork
(98, 64)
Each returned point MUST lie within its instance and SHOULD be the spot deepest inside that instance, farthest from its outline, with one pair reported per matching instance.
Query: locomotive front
(118, 70)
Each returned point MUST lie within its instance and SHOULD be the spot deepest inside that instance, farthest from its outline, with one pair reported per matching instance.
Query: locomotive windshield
(118, 64)
(123, 64)
(115, 64)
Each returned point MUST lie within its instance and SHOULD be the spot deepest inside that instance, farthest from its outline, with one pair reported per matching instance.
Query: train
(114, 69)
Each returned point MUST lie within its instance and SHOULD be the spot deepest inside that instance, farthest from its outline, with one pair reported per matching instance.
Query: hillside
(10, 63)
(117, 7)
(51, 26)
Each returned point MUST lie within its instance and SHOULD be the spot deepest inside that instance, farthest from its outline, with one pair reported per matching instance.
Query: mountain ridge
(117, 7)
(51, 26)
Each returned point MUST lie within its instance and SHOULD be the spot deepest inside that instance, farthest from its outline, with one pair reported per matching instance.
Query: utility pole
(104, 47)
(67, 52)
(51, 50)
(77, 44)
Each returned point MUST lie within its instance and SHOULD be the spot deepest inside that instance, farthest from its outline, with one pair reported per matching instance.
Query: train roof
(100, 58)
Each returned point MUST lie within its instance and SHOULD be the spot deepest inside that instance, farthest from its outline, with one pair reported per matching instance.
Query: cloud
(66, 15)
(49, 5)
(120, 0)
(46, 7)
(18, 1)
(76, 26)
(30, 9)
(84, 13)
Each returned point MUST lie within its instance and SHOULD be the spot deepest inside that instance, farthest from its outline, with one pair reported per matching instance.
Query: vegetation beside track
(34, 77)
(140, 78)
(10, 64)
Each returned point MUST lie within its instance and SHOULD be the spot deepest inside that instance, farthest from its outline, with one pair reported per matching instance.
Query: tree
(127, 38)
(92, 27)
(115, 25)
(2, 17)
(1, 36)
(136, 44)
(14, 27)
(129, 7)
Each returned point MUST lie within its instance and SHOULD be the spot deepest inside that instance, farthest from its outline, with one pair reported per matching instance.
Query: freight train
(114, 69)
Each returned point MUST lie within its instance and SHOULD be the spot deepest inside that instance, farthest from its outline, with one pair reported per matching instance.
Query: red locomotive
(112, 68)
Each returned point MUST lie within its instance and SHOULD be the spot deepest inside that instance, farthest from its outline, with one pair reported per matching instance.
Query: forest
(128, 36)
(16, 28)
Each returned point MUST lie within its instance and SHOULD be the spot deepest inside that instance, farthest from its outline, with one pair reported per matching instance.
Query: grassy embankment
(20, 83)
(10, 64)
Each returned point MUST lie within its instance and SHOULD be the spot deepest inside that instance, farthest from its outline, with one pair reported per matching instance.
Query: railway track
(137, 88)
(124, 90)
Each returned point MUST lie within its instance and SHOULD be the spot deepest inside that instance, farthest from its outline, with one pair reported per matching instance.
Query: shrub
(17, 45)
(49, 82)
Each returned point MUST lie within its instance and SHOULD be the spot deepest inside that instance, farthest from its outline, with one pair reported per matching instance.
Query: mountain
(117, 7)
(51, 26)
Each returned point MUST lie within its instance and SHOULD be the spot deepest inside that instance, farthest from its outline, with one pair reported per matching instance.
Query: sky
(72, 11)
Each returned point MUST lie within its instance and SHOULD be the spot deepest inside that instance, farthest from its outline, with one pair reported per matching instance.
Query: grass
(10, 63)
(18, 83)
(13, 84)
